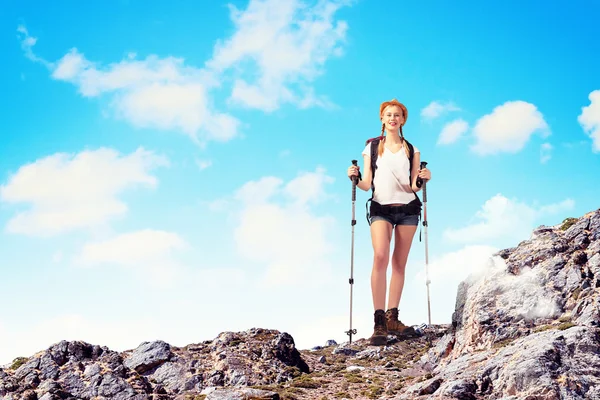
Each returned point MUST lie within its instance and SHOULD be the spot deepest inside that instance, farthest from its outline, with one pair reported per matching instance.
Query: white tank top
(392, 183)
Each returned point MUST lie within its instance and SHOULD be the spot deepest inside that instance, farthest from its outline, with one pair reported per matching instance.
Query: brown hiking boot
(395, 326)
(379, 336)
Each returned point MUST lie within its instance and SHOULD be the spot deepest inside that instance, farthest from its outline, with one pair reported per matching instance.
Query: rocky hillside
(527, 327)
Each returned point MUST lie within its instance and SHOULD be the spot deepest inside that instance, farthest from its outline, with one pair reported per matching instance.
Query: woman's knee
(399, 267)
(381, 260)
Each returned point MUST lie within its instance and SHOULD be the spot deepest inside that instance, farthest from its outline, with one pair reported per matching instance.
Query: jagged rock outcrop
(525, 327)
(78, 370)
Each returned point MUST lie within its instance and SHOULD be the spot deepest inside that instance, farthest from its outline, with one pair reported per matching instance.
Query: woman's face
(392, 117)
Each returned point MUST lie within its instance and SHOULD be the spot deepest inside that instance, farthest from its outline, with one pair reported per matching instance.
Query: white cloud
(503, 219)
(308, 187)
(289, 42)
(161, 93)
(277, 227)
(149, 251)
(67, 192)
(545, 153)
(27, 43)
(436, 109)
(153, 93)
(452, 131)
(203, 164)
(590, 119)
(508, 128)
(118, 335)
(456, 266)
(132, 249)
(446, 272)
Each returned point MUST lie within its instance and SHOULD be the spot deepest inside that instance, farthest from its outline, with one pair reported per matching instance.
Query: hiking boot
(395, 326)
(379, 336)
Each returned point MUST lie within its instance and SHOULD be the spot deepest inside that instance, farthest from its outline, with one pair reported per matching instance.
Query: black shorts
(406, 214)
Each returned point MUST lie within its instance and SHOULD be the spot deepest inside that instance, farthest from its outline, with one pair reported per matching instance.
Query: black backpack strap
(411, 152)
(374, 153)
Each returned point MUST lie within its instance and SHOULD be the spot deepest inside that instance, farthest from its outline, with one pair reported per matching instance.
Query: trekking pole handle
(421, 183)
(354, 181)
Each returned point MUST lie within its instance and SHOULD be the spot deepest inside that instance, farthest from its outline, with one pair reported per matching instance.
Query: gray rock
(148, 355)
(242, 394)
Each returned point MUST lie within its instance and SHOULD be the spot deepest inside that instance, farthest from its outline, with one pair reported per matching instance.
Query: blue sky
(173, 171)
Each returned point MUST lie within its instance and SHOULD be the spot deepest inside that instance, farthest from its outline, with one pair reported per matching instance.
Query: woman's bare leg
(403, 240)
(381, 235)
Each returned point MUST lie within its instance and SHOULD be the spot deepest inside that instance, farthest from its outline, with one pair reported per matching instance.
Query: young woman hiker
(394, 213)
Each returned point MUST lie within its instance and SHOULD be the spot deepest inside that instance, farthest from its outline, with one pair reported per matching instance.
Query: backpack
(374, 154)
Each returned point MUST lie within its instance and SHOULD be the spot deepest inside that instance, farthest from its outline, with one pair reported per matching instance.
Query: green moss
(341, 395)
(306, 382)
(576, 293)
(373, 392)
(354, 378)
(564, 319)
(565, 325)
(502, 343)
(567, 223)
(542, 328)
(17, 362)
(293, 371)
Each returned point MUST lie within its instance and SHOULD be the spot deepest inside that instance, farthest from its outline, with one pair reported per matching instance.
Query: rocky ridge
(526, 327)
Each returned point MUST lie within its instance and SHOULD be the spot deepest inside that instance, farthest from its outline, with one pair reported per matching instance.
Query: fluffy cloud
(149, 251)
(508, 128)
(203, 164)
(118, 335)
(288, 42)
(161, 93)
(277, 227)
(446, 272)
(436, 109)
(590, 119)
(452, 131)
(27, 43)
(132, 249)
(545, 153)
(504, 220)
(67, 192)
(153, 93)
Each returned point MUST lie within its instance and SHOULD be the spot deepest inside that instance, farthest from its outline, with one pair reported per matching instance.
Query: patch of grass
(293, 390)
(567, 223)
(394, 389)
(502, 343)
(354, 378)
(293, 371)
(196, 397)
(565, 325)
(306, 382)
(17, 362)
(341, 395)
(576, 293)
(373, 392)
(564, 319)
(542, 328)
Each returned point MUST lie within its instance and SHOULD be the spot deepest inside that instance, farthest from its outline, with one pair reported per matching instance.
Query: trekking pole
(351, 331)
(428, 281)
